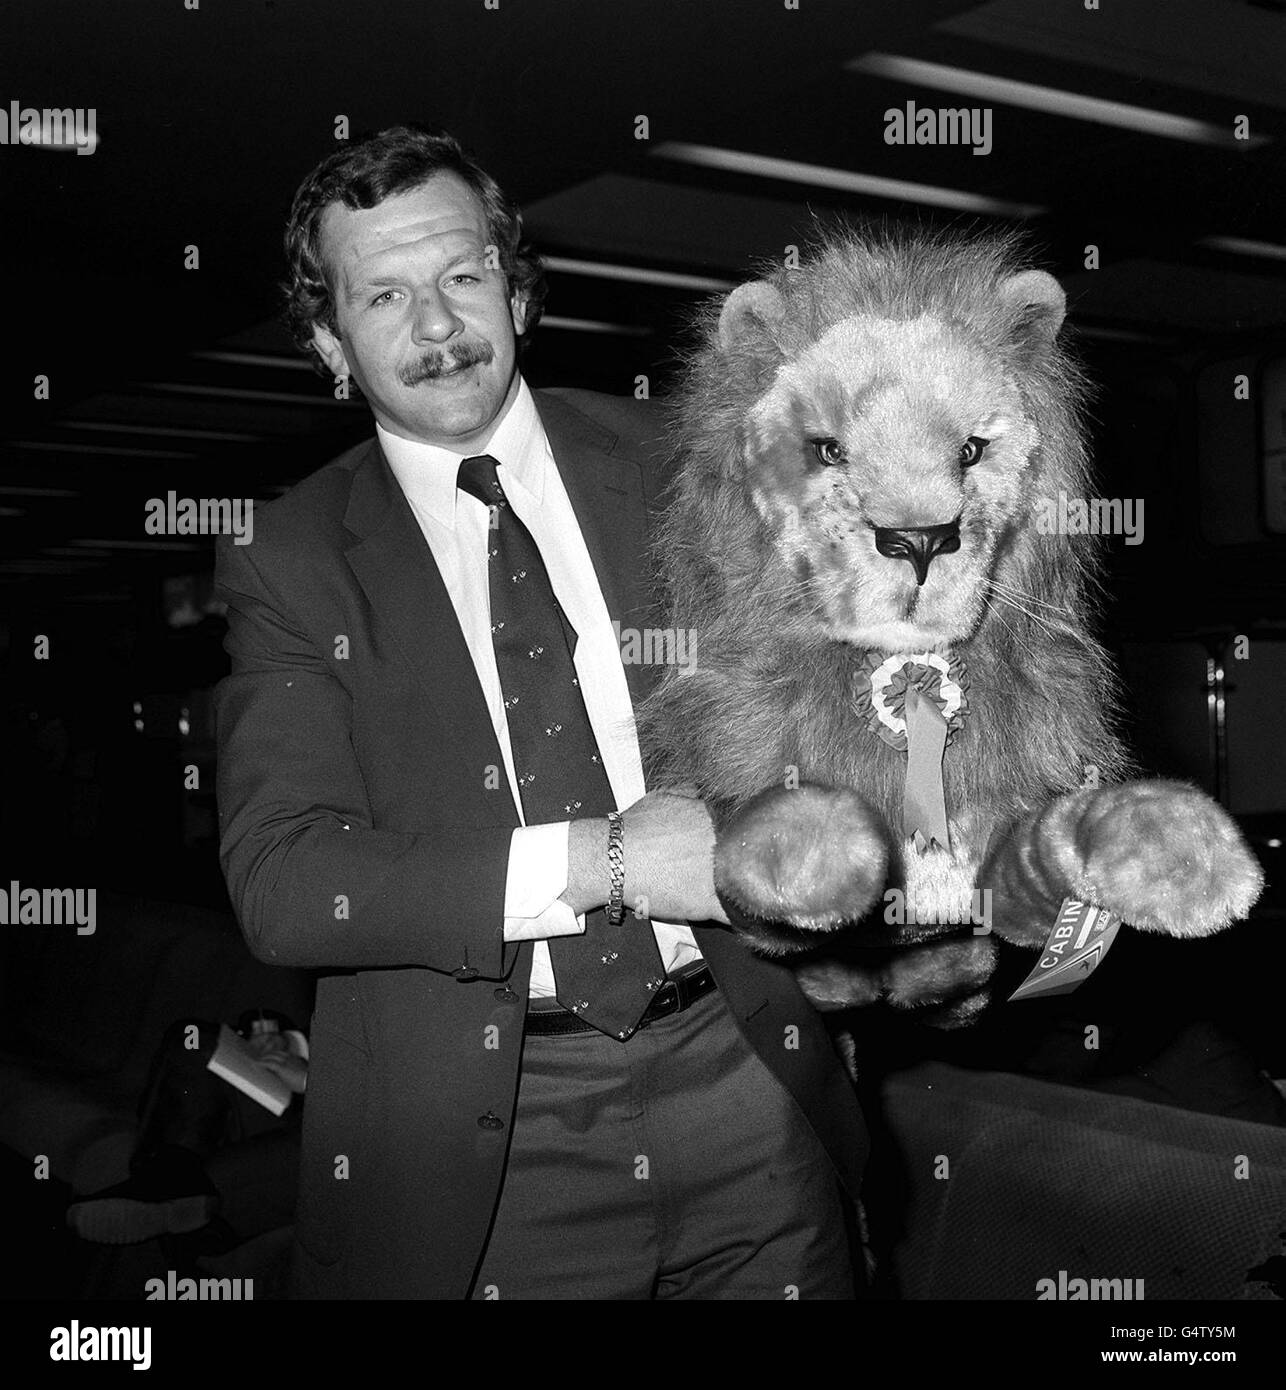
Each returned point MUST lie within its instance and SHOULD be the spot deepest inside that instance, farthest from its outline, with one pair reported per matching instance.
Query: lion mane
(771, 694)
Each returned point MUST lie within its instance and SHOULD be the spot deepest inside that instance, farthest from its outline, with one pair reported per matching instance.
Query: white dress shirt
(456, 526)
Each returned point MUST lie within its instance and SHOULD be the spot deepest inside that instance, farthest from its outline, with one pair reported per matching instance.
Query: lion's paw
(946, 979)
(793, 864)
(1162, 855)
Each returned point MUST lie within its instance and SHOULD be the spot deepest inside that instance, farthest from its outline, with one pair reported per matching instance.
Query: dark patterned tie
(608, 975)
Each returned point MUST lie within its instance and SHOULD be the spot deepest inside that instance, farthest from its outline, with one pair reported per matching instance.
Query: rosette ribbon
(916, 703)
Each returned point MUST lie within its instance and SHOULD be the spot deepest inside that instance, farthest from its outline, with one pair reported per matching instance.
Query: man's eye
(464, 275)
(384, 297)
(971, 450)
(829, 452)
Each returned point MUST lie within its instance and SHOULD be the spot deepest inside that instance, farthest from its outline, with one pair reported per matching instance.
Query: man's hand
(273, 1051)
(669, 860)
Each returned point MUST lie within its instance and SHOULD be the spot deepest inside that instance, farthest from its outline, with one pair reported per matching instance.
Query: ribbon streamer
(924, 802)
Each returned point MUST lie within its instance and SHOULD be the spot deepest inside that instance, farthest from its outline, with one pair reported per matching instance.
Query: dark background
(164, 378)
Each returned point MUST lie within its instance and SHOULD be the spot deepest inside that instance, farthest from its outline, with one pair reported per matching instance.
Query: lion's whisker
(1051, 629)
(1042, 623)
(1002, 620)
(1012, 589)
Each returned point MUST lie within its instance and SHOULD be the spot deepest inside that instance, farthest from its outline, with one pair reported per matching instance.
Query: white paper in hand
(237, 1065)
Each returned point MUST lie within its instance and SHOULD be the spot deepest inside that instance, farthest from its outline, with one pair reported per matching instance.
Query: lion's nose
(917, 545)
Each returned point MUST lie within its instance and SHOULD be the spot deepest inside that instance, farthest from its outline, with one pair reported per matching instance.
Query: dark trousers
(671, 1166)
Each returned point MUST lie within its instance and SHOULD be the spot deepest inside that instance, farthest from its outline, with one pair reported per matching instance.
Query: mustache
(436, 363)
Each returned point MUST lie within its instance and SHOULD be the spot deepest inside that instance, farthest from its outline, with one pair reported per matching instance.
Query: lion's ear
(1040, 306)
(755, 308)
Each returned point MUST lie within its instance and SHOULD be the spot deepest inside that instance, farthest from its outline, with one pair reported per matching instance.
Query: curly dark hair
(364, 173)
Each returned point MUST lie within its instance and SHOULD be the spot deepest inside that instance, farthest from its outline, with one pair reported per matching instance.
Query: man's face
(425, 328)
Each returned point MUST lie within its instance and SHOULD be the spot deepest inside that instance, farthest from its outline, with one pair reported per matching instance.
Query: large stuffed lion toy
(897, 696)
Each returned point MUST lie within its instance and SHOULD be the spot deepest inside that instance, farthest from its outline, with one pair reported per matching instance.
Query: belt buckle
(665, 1002)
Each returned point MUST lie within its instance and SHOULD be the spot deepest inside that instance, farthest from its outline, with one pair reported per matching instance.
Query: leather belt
(672, 998)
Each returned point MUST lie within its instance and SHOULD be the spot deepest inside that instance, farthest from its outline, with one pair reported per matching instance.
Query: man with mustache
(539, 1065)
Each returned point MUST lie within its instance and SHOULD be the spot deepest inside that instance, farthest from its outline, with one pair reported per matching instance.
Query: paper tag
(1080, 939)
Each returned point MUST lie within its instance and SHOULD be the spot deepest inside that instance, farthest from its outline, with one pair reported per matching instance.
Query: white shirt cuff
(536, 878)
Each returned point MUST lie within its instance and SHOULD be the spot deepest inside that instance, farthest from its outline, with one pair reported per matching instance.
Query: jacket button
(506, 995)
(490, 1121)
(466, 973)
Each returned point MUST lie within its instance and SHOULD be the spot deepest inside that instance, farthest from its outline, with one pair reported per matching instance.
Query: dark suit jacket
(359, 837)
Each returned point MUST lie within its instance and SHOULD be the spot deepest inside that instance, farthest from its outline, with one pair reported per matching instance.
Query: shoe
(167, 1194)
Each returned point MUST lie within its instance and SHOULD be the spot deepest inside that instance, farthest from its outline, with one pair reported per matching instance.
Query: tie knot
(477, 477)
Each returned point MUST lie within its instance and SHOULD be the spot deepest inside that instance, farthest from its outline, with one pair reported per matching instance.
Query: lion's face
(879, 428)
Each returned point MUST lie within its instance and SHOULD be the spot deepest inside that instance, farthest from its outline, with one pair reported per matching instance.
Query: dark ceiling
(166, 378)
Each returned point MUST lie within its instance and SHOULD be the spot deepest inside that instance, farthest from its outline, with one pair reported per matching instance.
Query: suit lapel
(607, 494)
(395, 567)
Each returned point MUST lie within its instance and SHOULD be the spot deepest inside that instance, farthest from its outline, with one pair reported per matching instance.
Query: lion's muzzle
(918, 545)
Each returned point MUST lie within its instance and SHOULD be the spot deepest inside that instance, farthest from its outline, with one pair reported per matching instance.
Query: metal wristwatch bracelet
(616, 863)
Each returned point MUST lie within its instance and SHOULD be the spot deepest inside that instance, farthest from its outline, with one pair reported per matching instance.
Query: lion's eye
(971, 450)
(829, 452)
